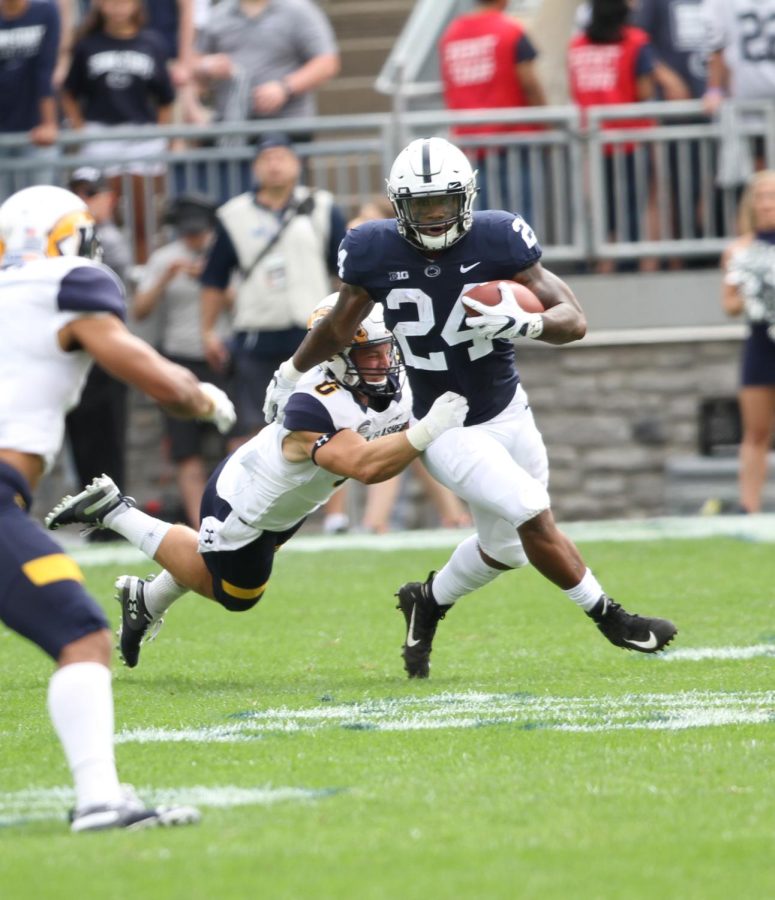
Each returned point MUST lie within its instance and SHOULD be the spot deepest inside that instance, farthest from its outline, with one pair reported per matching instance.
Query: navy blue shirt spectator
(678, 38)
(29, 44)
(120, 80)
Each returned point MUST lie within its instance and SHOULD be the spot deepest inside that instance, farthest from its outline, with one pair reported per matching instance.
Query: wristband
(714, 92)
(289, 371)
(419, 436)
(534, 327)
(287, 87)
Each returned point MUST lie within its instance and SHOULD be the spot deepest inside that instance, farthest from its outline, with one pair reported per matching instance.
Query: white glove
(506, 320)
(280, 389)
(222, 414)
(448, 411)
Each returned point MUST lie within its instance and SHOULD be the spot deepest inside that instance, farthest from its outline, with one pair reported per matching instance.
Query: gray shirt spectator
(177, 267)
(266, 57)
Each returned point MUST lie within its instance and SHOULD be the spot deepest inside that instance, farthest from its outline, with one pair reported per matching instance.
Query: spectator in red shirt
(488, 61)
(611, 62)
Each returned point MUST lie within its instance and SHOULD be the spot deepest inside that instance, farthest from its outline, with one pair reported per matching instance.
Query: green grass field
(537, 762)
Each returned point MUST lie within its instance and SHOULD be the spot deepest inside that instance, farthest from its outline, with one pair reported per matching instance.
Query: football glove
(222, 415)
(448, 411)
(505, 320)
(279, 390)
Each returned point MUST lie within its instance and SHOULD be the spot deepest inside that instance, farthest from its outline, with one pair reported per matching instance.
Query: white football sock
(141, 530)
(161, 593)
(464, 572)
(587, 592)
(80, 703)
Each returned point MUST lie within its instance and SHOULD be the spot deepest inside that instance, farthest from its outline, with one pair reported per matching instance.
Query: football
(488, 293)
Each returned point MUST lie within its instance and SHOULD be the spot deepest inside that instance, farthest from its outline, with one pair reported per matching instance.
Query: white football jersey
(742, 29)
(268, 493)
(40, 381)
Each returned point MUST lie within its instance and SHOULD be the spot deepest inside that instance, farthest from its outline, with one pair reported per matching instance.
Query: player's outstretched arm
(347, 453)
(327, 338)
(564, 320)
(131, 360)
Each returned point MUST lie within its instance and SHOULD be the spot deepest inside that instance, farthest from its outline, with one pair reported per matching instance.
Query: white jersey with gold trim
(265, 491)
(40, 381)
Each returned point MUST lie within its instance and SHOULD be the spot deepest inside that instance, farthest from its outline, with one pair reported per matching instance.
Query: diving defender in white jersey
(346, 419)
(419, 265)
(60, 309)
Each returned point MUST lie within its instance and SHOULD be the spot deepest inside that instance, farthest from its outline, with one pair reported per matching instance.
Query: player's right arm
(131, 360)
(336, 330)
(329, 336)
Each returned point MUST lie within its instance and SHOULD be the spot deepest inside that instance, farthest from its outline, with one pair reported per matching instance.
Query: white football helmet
(432, 188)
(342, 369)
(45, 221)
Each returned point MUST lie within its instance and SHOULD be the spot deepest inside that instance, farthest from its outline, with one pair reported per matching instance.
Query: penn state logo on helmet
(384, 381)
(432, 188)
(45, 221)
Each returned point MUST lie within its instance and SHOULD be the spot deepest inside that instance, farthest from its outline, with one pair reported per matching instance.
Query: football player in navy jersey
(346, 419)
(60, 309)
(420, 265)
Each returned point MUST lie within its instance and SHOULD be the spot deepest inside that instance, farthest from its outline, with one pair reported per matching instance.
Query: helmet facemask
(434, 221)
(379, 381)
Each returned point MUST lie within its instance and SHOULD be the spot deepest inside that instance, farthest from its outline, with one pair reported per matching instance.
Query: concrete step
(364, 56)
(350, 96)
(364, 18)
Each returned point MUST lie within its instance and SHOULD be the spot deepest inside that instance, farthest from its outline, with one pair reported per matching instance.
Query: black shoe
(90, 507)
(422, 614)
(632, 632)
(137, 624)
(130, 813)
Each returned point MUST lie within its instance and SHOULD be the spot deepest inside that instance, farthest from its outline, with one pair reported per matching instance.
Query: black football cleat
(90, 507)
(131, 815)
(633, 632)
(137, 624)
(422, 614)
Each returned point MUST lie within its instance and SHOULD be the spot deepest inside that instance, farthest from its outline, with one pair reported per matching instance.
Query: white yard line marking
(691, 709)
(43, 804)
(696, 654)
(748, 528)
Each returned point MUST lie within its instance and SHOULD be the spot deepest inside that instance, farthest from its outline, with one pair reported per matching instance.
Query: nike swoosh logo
(650, 644)
(410, 641)
(464, 269)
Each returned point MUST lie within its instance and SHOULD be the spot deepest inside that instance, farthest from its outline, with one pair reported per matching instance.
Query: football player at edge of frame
(346, 419)
(420, 266)
(60, 310)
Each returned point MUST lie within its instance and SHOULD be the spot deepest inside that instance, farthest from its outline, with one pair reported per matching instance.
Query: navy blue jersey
(423, 305)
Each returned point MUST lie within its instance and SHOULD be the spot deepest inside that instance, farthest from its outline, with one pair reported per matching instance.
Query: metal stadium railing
(667, 188)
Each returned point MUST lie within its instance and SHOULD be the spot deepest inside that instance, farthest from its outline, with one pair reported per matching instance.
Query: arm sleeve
(314, 34)
(161, 83)
(644, 63)
(305, 413)
(92, 289)
(49, 50)
(524, 50)
(76, 79)
(152, 272)
(221, 262)
(714, 25)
